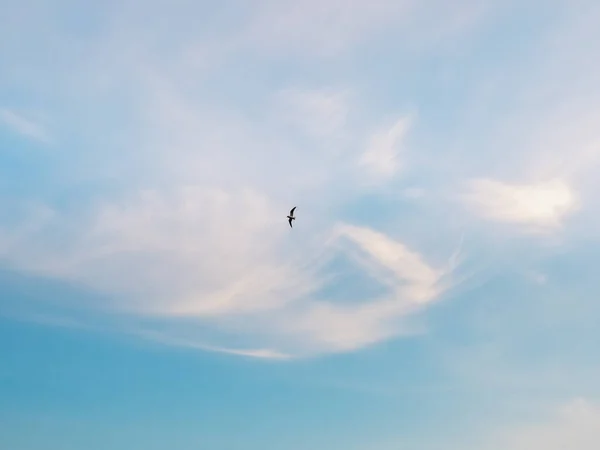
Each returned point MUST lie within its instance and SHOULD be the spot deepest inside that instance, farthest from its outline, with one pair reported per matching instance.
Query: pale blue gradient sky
(439, 288)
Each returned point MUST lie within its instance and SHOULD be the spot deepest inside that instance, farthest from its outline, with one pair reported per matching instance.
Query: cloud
(24, 127)
(537, 117)
(192, 241)
(394, 264)
(410, 284)
(576, 425)
(260, 353)
(196, 234)
(381, 159)
(538, 206)
(187, 258)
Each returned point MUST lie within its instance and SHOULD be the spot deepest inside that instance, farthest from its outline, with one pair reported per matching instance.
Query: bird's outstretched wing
(290, 221)
(292, 211)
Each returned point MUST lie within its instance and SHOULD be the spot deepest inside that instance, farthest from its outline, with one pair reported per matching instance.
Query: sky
(438, 289)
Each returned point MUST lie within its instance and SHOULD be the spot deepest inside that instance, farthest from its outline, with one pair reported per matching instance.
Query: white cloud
(156, 244)
(541, 205)
(381, 159)
(394, 264)
(575, 426)
(549, 134)
(410, 283)
(23, 126)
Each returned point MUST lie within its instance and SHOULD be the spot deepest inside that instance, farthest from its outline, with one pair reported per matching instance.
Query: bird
(291, 216)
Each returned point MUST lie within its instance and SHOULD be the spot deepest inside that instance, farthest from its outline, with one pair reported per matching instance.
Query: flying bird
(291, 216)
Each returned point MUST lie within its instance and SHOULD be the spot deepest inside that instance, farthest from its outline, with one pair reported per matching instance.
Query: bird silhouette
(291, 216)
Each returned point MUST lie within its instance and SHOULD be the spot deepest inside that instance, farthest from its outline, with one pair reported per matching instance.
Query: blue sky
(438, 290)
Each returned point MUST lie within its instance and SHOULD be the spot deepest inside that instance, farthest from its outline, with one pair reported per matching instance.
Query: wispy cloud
(382, 156)
(23, 126)
(211, 157)
(537, 206)
(166, 339)
(152, 257)
(216, 253)
(410, 283)
(197, 234)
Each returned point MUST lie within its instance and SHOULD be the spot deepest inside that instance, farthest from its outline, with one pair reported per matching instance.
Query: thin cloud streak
(24, 127)
(382, 157)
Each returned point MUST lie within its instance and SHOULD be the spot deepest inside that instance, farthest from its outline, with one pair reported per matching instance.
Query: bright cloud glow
(541, 205)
